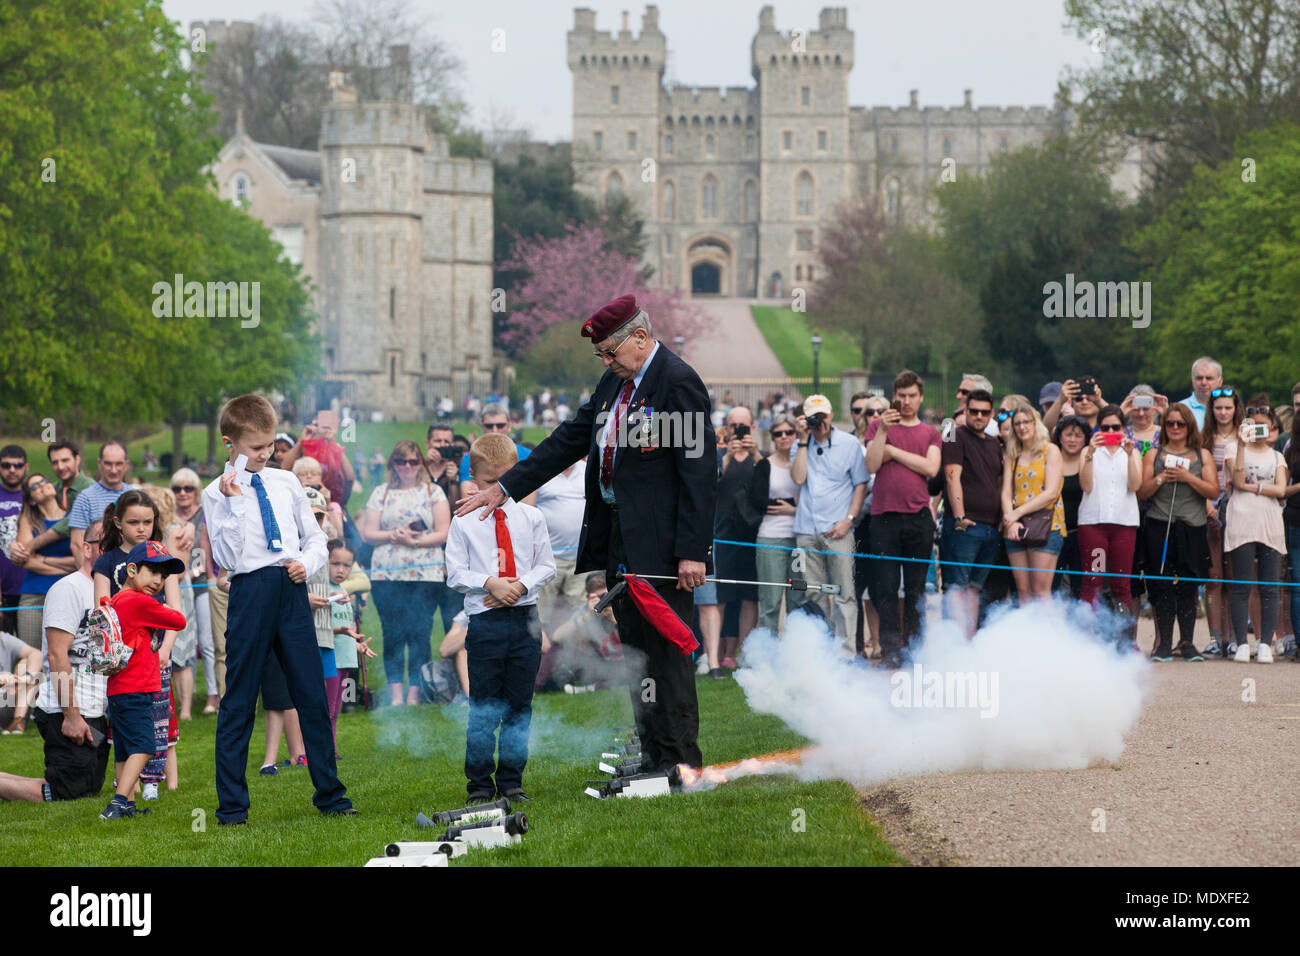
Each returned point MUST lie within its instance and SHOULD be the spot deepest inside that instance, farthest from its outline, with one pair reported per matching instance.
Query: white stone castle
(735, 183)
(396, 236)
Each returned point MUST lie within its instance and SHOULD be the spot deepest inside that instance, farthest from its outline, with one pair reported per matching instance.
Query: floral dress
(398, 507)
(1028, 482)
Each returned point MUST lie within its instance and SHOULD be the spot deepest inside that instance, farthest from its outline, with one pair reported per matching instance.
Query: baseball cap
(817, 405)
(1049, 393)
(317, 500)
(151, 552)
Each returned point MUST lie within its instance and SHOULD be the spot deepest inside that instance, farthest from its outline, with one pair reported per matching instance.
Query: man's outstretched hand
(489, 499)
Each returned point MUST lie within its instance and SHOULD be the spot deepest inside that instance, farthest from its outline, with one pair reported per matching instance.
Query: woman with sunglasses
(40, 511)
(1222, 421)
(406, 520)
(772, 494)
(1110, 475)
(1174, 536)
(1142, 428)
(1032, 475)
(1255, 539)
(1071, 437)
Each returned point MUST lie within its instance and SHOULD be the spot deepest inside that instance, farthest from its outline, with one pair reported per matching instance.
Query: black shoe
(480, 796)
(237, 822)
(1190, 653)
(270, 770)
(517, 795)
(718, 673)
(116, 810)
(348, 811)
(1162, 655)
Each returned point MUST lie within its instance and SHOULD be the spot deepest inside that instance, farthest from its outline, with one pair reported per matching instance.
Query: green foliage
(1224, 262)
(556, 361)
(788, 334)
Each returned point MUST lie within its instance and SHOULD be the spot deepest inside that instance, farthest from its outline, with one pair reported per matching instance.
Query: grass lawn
(400, 761)
(788, 334)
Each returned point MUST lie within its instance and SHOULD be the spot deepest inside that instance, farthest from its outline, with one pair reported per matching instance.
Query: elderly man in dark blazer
(650, 500)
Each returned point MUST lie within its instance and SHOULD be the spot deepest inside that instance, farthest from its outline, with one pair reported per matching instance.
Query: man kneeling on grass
(131, 690)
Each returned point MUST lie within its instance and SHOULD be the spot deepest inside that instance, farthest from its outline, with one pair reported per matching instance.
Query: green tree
(1224, 263)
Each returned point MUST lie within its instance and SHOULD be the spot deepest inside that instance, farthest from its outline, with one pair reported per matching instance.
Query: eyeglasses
(610, 353)
(1175, 423)
(1003, 415)
(496, 426)
(1221, 393)
(177, 489)
(1258, 410)
(13, 464)
(783, 433)
(981, 412)
(1109, 428)
(409, 462)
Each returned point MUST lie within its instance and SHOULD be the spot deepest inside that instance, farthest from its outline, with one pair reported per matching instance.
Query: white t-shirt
(563, 501)
(780, 485)
(69, 600)
(1252, 517)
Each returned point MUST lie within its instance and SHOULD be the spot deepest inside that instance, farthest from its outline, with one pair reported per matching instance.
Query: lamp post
(817, 348)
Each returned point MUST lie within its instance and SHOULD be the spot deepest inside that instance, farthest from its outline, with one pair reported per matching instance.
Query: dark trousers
(269, 614)
(661, 679)
(900, 535)
(406, 615)
(504, 648)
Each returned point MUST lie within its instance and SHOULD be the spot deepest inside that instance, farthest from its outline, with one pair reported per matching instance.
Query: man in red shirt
(131, 690)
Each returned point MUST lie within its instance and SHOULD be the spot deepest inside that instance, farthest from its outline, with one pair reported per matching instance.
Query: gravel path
(1205, 780)
(731, 346)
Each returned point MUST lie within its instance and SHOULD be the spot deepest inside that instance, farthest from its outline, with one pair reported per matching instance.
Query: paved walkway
(731, 346)
(1206, 779)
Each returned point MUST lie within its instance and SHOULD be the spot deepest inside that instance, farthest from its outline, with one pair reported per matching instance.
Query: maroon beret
(611, 318)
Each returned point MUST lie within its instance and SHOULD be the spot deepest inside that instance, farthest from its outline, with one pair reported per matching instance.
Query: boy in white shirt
(499, 561)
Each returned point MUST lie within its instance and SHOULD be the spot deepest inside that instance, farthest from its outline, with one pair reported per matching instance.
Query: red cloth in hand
(659, 615)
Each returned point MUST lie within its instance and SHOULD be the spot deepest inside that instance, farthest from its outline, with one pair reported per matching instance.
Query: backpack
(107, 654)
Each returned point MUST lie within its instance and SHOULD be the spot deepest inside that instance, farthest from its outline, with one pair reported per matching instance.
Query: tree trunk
(213, 428)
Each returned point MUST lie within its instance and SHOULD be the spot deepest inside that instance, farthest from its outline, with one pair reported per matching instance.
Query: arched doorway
(706, 279)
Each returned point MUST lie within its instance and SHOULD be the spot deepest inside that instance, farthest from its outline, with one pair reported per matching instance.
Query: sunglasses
(784, 433)
(873, 412)
(13, 464)
(1109, 428)
(1175, 423)
(1003, 415)
(33, 485)
(177, 489)
(90, 541)
(409, 462)
(496, 426)
(858, 409)
(963, 391)
(1221, 393)
(981, 412)
(1258, 410)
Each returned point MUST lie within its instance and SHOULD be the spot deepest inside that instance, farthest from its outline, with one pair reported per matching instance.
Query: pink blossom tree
(568, 277)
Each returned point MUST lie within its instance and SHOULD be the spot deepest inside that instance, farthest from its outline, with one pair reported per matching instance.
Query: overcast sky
(1011, 52)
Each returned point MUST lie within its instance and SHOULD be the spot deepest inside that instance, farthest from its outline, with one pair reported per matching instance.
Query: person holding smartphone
(1110, 475)
(406, 520)
(1255, 539)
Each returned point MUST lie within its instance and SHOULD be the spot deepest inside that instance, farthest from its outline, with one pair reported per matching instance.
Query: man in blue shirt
(1207, 375)
(495, 418)
(832, 473)
(90, 504)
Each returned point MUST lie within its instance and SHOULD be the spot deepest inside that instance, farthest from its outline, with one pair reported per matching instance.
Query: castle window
(631, 139)
(749, 122)
(598, 140)
(709, 198)
(695, 121)
(613, 95)
(735, 121)
(773, 63)
(821, 139)
(722, 121)
(681, 121)
(803, 195)
(329, 360)
(668, 242)
(668, 121)
(798, 272)
(893, 145)
(787, 140)
(670, 201)
(749, 146)
(891, 197)
(241, 190)
(392, 303)
(708, 122)
(751, 200)
(708, 146)
(947, 147)
(805, 96)
(1002, 144)
(803, 240)
(392, 371)
(613, 186)
(668, 144)
(837, 59)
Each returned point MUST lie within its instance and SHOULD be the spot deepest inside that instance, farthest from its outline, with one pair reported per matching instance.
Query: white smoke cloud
(1042, 689)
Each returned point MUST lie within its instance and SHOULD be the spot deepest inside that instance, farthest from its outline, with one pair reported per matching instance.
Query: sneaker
(1243, 654)
(703, 666)
(1160, 656)
(729, 663)
(1189, 653)
(718, 673)
(137, 811)
(1213, 649)
(479, 796)
(117, 809)
(270, 770)
(236, 822)
(517, 795)
(149, 791)
(300, 762)
(348, 811)
(1231, 650)
(1265, 655)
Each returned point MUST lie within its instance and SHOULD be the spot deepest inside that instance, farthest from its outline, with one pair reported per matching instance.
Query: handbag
(1038, 527)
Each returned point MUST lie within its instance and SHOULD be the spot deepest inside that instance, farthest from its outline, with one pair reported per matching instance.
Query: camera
(453, 452)
(817, 422)
(739, 431)
(1259, 430)
(1088, 386)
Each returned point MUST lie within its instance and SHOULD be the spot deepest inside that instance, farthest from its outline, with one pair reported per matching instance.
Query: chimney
(969, 94)
(625, 22)
(914, 96)
(766, 20)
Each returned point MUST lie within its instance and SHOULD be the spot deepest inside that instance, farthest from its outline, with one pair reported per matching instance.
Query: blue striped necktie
(269, 524)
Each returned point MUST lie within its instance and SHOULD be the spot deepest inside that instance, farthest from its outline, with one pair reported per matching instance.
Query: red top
(137, 612)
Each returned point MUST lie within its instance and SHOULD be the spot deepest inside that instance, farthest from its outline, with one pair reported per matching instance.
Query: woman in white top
(1110, 475)
(772, 494)
(406, 519)
(1254, 536)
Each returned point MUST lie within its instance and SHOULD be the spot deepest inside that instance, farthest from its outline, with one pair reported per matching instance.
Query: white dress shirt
(471, 553)
(238, 538)
(1110, 501)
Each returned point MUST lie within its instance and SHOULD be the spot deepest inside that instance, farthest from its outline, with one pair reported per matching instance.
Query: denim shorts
(977, 545)
(1055, 542)
(706, 594)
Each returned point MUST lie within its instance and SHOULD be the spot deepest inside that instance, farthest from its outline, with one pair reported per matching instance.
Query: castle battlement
(589, 48)
(344, 122)
(719, 99)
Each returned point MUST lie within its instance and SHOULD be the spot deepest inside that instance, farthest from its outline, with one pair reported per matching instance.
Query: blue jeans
(977, 545)
(406, 615)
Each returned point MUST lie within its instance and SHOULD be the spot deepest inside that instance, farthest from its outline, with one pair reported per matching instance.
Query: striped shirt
(90, 504)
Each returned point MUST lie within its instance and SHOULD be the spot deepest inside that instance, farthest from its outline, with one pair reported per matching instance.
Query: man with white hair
(1207, 375)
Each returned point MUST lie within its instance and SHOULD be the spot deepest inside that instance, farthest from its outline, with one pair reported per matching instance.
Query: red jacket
(137, 612)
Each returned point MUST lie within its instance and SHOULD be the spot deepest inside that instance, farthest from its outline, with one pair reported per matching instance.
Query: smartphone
(418, 525)
(896, 405)
(97, 736)
(1112, 438)
(1176, 461)
(1144, 401)
(739, 431)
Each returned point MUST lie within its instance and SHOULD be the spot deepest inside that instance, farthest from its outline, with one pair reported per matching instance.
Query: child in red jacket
(131, 690)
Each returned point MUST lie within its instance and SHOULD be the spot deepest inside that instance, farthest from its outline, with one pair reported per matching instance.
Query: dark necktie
(269, 524)
(607, 457)
(505, 550)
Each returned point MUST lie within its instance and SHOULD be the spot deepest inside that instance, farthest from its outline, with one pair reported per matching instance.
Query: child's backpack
(107, 654)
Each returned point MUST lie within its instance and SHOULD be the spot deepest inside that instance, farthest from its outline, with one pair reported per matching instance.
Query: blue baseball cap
(151, 552)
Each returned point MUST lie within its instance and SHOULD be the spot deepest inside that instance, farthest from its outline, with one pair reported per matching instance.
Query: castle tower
(371, 230)
(806, 158)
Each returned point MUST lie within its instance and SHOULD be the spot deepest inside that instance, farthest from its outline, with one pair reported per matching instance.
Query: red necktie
(505, 550)
(607, 457)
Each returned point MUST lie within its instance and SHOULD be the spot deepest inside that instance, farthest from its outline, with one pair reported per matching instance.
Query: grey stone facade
(735, 183)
